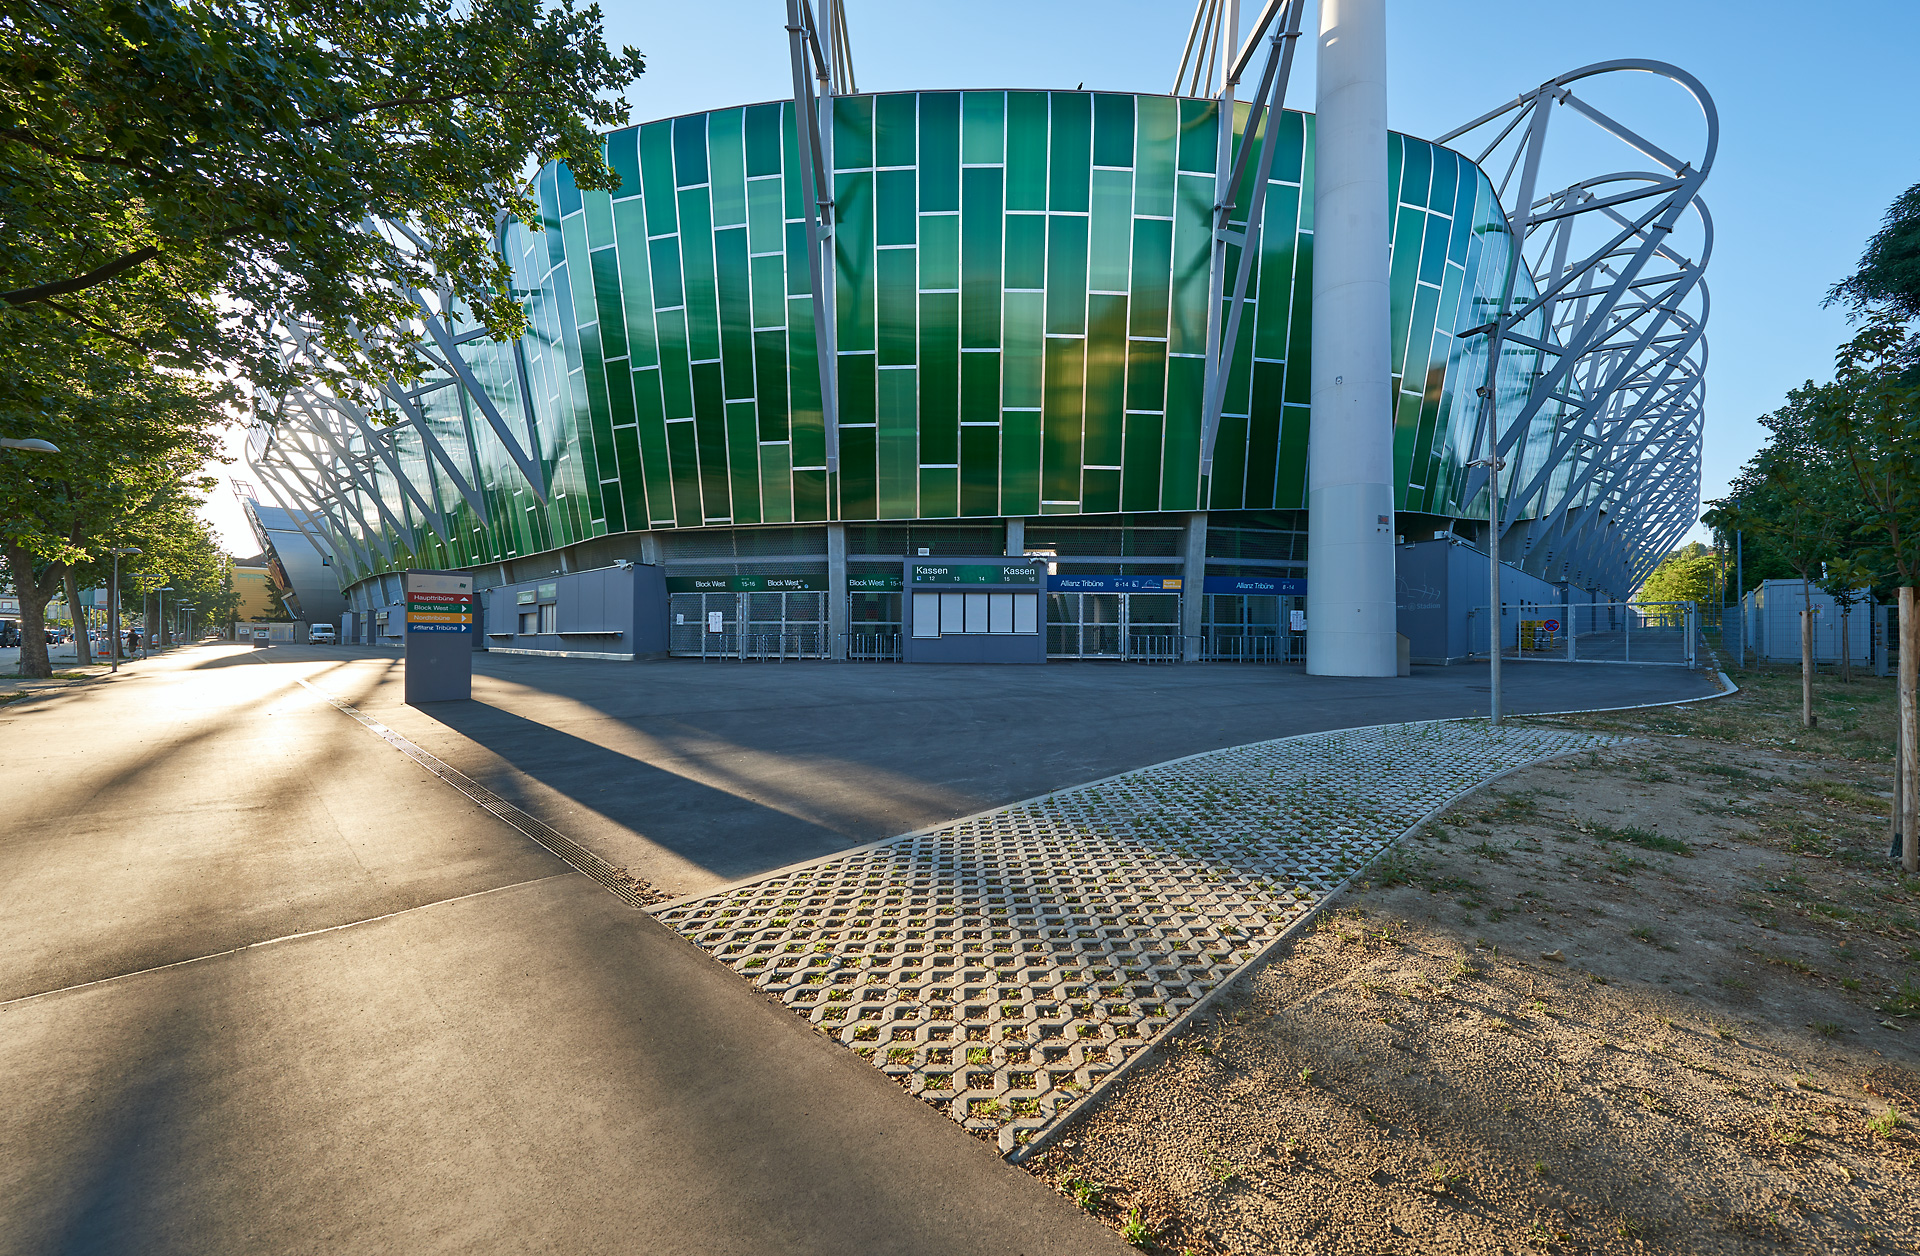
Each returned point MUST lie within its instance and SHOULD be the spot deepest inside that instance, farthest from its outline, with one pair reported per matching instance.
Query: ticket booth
(983, 610)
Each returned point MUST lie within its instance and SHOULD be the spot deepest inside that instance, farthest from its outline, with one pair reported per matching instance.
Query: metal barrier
(1648, 633)
(1252, 648)
(1157, 647)
(871, 647)
(778, 647)
(760, 647)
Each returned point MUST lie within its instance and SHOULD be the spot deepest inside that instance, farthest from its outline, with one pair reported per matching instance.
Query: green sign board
(884, 583)
(746, 584)
(548, 592)
(524, 597)
(976, 573)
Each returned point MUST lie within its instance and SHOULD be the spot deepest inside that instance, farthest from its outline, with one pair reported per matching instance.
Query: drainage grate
(1004, 966)
(631, 890)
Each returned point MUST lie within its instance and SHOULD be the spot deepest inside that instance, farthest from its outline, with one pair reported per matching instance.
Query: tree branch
(19, 136)
(77, 283)
(80, 317)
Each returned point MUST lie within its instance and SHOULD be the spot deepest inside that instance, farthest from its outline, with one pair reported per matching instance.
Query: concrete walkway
(270, 987)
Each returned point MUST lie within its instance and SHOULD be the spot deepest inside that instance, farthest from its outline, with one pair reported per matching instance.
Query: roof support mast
(831, 70)
(1352, 616)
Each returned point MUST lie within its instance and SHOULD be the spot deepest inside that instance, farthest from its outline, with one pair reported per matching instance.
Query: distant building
(252, 582)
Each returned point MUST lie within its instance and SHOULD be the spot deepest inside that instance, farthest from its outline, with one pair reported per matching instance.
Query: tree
(128, 439)
(1889, 274)
(1795, 493)
(1688, 574)
(1871, 416)
(186, 180)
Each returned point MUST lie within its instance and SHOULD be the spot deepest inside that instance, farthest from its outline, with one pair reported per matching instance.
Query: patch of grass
(1884, 1124)
(1904, 1001)
(1826, 1029)
(1645, 839)
(1087, 1194)
(1137, 1232)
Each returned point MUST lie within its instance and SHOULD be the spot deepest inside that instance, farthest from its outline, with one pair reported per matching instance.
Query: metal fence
(1253, 647)
(758, 647)
(1215, 648)
(871, 647)
(1653, 633)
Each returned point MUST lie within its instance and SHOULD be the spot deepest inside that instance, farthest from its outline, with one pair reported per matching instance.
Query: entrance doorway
(747, 625)
(1112, 625)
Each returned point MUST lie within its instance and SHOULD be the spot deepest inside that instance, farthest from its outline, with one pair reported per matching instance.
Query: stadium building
(1019, 375)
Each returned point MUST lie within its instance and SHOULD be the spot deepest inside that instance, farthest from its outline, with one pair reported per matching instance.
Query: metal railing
(1157, 647)
(1649, 633)
(1249, 647)
(870, 647)
(759, 647)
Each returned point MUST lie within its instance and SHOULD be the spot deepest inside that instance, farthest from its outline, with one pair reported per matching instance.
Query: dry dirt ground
(1658, 999)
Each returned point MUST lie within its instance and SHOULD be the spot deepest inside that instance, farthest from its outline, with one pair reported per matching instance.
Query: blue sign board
(1113, 584)
(1260, 586)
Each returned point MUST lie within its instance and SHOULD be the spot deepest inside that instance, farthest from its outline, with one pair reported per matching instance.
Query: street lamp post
(113, 603)
(31, 444)
(146, 625)
(160, 612)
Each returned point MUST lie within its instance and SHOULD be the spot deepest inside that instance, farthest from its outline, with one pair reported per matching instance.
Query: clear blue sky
(1817, 121)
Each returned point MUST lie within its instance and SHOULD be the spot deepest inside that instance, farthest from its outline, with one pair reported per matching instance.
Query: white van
(321, 634)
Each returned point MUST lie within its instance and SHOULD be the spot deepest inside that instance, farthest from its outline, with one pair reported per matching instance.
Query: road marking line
(285, 937)
(628, 889)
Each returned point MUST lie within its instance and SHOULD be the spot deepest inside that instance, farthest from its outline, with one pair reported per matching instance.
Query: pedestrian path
(1004, 966)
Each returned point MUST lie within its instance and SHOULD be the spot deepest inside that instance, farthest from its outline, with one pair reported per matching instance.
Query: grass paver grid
(1000, 966)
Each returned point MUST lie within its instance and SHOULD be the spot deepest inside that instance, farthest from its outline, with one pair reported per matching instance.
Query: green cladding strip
(1020, 289)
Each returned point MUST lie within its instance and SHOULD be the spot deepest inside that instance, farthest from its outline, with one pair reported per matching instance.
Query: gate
(747, 625)
(1112, 625)
(1653, 633)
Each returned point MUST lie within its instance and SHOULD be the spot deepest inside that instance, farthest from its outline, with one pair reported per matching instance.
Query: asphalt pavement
(268, 986)
(694, 774)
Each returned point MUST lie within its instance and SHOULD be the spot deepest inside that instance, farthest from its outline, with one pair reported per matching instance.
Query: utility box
(1772, 618)
(617, 613)
(975, 610)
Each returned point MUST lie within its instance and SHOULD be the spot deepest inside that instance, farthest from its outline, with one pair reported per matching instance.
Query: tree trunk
(82, 646)
(1807, 717)
(1909, 766)
(34, 596)
(1846, 647)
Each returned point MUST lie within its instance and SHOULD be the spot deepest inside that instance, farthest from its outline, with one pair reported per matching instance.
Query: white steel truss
(1599, 442)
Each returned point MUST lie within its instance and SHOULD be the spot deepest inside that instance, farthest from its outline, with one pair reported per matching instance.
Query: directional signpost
(439, 636)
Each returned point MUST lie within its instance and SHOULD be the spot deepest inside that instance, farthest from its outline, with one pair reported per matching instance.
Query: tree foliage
(130, 442)
(1688, 574)
(186, 180)
(1889, 273)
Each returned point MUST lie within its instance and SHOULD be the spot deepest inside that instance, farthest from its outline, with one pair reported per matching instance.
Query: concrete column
(837, 627)
(650, 549)
(1193, 584)
(1016, 538)
(1351, 618)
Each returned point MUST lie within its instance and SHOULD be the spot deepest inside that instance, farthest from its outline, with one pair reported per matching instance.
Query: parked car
(321, 634)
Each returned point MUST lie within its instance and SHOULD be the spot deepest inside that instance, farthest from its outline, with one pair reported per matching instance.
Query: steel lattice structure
(1601, 444)
(1597, 333)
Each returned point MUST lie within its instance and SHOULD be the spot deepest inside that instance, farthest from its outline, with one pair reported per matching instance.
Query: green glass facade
(1020, 301)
